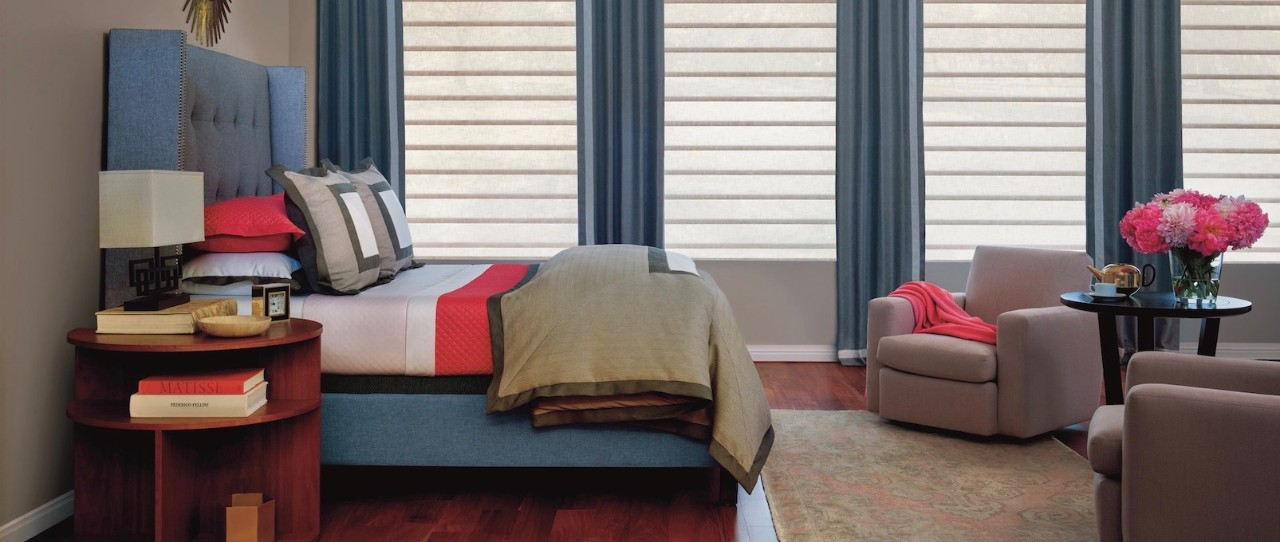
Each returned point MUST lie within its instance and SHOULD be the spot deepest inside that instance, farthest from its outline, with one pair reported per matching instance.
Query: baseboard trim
(1239, 350)
(37, 521)
(792, 352)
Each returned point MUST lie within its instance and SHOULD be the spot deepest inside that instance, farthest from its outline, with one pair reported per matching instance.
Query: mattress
(429, 321)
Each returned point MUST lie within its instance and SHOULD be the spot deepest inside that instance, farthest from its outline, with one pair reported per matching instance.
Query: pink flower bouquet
(1195, 229)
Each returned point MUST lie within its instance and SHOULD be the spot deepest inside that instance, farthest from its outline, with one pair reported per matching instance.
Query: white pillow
(241, 288)
(227, 273)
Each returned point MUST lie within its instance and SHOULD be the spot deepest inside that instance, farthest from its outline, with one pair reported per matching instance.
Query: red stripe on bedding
(463, 345)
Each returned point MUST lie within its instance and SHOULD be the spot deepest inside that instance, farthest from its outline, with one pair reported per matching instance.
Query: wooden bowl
(234, 326)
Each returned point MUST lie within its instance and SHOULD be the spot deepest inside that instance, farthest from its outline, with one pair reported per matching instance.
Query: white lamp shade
(150, 208)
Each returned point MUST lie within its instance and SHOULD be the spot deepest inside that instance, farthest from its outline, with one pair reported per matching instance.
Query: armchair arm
(1048, 369)
(886, 316)
(1245, 375)
(1200, 464)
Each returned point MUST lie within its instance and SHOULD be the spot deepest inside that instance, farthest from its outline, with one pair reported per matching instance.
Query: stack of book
(175, 320)
(230, 393)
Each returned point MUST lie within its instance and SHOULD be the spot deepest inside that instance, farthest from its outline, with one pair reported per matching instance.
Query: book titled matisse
(228, 382)
(198, 406)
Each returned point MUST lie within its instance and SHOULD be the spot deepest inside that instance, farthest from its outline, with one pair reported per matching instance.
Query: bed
(174, 106)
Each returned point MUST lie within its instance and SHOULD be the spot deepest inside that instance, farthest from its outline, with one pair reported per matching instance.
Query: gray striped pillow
(345, 255)
(390, 225)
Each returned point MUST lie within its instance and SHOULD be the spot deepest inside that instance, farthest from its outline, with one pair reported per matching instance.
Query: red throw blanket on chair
(937, 312)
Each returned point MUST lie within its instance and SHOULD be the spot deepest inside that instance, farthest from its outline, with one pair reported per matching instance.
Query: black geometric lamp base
(155, 281)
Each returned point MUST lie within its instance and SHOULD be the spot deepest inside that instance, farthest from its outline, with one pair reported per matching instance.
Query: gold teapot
(1128, 278)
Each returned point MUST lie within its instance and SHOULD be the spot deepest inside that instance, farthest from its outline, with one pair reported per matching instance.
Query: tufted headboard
(173, 106)
(180, 107)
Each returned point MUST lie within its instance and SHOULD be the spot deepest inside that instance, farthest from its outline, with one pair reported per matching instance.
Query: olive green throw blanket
(632, 321)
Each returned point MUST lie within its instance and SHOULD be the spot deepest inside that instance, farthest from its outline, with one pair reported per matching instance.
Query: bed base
(432, 430)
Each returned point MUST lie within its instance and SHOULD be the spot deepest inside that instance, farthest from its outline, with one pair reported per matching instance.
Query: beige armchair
(1043, 373)
(1193, 454)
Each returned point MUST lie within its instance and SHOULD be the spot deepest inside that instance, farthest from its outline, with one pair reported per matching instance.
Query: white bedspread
(385, 330)
(389, 329)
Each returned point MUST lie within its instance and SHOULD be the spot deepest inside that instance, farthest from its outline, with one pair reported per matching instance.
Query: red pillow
(279, 242)
(258, 221)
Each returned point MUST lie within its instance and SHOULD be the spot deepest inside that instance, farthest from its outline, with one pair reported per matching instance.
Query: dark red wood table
(172, 478)
(1147, 307)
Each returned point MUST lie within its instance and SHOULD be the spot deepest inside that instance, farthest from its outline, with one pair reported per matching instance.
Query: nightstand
(170, 479)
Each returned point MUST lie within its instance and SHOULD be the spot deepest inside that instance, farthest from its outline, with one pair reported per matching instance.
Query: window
(750, 129)
(1004, 125)
(1231, 108)
(491, 128)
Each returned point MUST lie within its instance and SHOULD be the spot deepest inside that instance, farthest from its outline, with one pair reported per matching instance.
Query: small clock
(273, 300)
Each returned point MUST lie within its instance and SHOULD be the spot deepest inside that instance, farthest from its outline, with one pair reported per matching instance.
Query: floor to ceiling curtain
(1134, 128)
(620, 110)
(879, 159)
(359, 82)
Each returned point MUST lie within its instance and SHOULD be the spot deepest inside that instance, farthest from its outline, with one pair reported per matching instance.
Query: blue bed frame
(179, 107)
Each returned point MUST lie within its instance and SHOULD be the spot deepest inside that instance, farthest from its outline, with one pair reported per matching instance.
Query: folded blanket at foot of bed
(626, 333)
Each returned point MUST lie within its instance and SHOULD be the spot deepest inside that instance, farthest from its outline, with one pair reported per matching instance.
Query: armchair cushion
(939, 356)
(1106, 433)
(1247, 375)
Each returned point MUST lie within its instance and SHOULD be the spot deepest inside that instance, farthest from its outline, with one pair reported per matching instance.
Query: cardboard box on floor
(251, 518)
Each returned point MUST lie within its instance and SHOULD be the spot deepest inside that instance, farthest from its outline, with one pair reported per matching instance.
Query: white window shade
(1231, 108)
(491, 128)
(750, 129)
(1004, 125)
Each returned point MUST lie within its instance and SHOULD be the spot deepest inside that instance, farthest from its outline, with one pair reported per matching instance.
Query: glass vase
(1195, 276)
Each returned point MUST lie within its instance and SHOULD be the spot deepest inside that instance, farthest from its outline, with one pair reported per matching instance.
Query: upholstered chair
(1043, 373)
(1193, 454)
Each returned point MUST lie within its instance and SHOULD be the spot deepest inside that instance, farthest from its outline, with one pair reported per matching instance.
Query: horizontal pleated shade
(1231, 108)
(491, 128)
(1004, 125)
(750, 129)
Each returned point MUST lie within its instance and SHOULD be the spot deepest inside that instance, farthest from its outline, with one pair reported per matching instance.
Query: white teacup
(1104, 289)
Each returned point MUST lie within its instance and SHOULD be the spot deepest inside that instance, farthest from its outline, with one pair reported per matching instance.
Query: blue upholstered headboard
(173, 106)
(180, 107)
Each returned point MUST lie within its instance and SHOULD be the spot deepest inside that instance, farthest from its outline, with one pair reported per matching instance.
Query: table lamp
(151, 208)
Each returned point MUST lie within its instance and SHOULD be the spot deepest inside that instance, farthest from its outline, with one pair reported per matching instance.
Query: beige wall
(51, 102)
(302, 52)
(793, 303)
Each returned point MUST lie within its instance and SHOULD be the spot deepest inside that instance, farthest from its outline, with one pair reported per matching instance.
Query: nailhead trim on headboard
(183, 104)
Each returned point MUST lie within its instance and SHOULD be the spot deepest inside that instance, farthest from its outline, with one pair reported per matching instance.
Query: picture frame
(271, 300)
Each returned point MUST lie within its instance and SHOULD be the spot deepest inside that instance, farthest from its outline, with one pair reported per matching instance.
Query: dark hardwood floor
(434, 505)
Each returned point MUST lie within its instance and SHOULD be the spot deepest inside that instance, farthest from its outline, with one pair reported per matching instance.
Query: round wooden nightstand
(172, 478)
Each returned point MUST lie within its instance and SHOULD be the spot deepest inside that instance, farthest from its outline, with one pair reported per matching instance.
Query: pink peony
(1140, 228)
(1246, 221)
(1196, 199)
(1177, 223)
(1212, 234)
(1193, 220)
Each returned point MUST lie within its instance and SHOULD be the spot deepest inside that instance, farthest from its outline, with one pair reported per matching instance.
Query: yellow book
(175, 320)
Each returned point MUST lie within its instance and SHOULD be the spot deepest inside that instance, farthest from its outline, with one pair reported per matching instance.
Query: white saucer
(1106, 297)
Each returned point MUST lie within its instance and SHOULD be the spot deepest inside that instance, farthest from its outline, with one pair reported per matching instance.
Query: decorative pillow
(390, 225)
(210, 273)
(339, 251)
(279, 242)
(248, 224)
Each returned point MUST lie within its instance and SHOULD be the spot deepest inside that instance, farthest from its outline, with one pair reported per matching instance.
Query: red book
(229, 382)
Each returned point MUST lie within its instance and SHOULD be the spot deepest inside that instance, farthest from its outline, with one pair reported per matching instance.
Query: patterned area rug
(848, 475)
